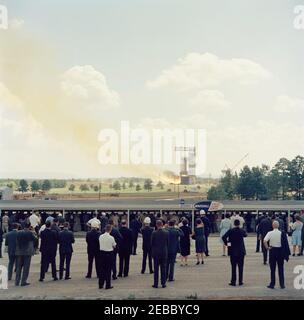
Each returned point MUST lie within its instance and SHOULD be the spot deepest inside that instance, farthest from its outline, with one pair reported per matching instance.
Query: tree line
(285, 180)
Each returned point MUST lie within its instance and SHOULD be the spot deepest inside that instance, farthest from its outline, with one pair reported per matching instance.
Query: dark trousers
(47, 259)
(65, 258)
(114, 264)
(91, 257)
(237, 261)
(206, 245)
(302, 247)
(160, 262)
(147, 253)
(134, 247)
(265, 251)
(106, 260)
(11, 263)
(276, 258)
(23, 264)
(258, 244)
(170, 266)
(124, 263)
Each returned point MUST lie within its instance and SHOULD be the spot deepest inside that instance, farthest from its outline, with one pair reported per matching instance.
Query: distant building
(6, 193)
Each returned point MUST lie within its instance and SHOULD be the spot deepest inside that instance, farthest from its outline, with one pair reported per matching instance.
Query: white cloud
(286, 104)
(210, 99)
(89, 88)
(198, 71)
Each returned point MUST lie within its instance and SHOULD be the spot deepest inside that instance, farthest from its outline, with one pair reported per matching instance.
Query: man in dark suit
(264, 227)
(146, 245)
(48, 249)
(259, 218)
(92, 239)
(236, 250)
(160, 242)
(66, 239)
(173, 246)
(25, 243)
(1, 240)
(118, 238)
(10, 244)
(55, 225)
(125, 249)
(206, 223)
(135, 226)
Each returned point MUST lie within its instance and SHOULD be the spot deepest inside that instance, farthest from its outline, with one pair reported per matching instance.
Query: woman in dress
(297, 235)
(185, 242)
(224, 227)
(200, 241)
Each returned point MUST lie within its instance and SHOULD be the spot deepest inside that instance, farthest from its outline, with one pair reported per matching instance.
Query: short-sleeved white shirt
(106, 242)
(274, 238)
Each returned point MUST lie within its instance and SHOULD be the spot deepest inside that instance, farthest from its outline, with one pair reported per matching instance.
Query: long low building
(145, 204)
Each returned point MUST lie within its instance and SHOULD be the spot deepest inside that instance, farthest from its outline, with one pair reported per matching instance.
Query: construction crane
(236, 165)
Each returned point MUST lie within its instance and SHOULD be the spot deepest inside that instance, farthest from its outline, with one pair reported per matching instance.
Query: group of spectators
(162, 240)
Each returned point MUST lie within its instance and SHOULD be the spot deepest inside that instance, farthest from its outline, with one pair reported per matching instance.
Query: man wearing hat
(104, 220)
(92, 239)
(146, 245)
(94, 221)
(206, 223)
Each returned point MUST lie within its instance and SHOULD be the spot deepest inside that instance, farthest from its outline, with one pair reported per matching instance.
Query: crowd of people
(107, 240)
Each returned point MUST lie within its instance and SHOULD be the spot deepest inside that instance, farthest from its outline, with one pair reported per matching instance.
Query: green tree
(259, 182)
(228, 182)
(46, 185)
(216, 193)
(296, 176)
(131, 184)
(138, 187)
(282, 169)
(124, 186)
(245, 186)
(23, 185)
(72, 187)
(160, 185)
(116, 185)
(84, 187)
(96, 188)
(148, 184)
(35, 187)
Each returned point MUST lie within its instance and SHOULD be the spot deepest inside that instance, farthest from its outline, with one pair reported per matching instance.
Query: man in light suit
(25, 243)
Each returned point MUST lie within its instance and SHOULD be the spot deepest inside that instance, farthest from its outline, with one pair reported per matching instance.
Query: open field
(209, 281)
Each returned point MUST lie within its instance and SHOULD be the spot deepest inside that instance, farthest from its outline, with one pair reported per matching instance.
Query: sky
(69, 69)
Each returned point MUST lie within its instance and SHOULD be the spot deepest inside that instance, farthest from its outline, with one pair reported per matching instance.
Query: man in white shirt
(237, 217)
(94, 221)
(35, 222)
(272, 242)
(106, 244)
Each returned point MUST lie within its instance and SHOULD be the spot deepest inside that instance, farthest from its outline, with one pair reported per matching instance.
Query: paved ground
(209, 281)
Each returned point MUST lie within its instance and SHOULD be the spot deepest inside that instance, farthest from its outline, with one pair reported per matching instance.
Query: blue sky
(133, 42)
